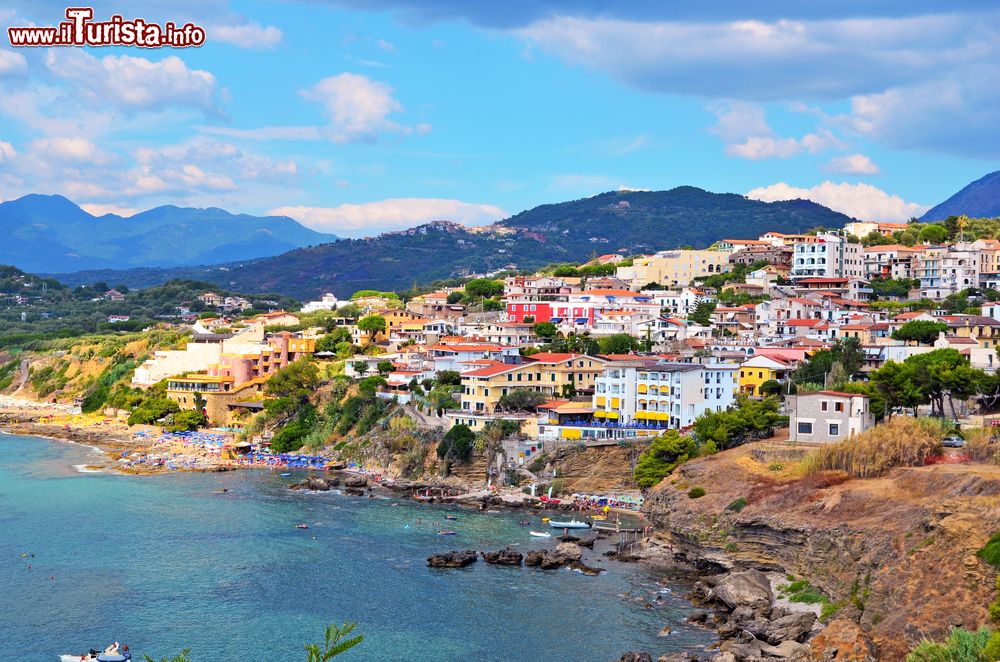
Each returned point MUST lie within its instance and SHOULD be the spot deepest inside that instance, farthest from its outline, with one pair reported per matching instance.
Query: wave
(82, 468)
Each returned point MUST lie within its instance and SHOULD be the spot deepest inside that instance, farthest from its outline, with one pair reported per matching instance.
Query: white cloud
(852, 164)
(7, 152)
(386, 46)
(357, 107)
(251, 36)
(743, 127)
(392, 214)
(69, 149)
(12, 63)
(862, 201)
(101, 210)
(266, 132)
(133, 83)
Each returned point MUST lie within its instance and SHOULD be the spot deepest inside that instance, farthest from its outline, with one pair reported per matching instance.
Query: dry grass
(903, 442)
(980, 447)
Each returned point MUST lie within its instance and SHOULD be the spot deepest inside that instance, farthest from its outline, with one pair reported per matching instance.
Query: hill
(980, 199)
(627, 222)
(50, 233)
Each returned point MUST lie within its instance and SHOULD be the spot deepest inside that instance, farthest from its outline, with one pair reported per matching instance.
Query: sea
(170, 562)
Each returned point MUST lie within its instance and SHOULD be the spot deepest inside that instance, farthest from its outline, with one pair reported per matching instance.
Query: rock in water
(312, 483)
(505, 556)
(665, 632)
(843, 641)
(563, 554)
(534, 558)
(453, 559)
(584, 568)
(636, 657)
(356, 481)
(747, 588)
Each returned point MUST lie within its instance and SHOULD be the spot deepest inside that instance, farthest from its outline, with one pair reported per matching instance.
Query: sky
(361, 116)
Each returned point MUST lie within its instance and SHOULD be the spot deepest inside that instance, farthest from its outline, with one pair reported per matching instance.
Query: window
(834, 429)
(805, 428)
(823, 406)
(838, 406)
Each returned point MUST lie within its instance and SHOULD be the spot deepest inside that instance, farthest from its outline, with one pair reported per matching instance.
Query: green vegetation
(933, 378)
(749, 420)
(841, 362)
(457, 444)
(522, 399)
(336, 642)
(889, 287)
(990, 553)
(737, 505)
(696, 492)
(665, 453)
(961, 646)
(373, 324)
(921, 331)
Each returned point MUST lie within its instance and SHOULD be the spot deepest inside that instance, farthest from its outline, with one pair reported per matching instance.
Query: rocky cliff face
(895, 554)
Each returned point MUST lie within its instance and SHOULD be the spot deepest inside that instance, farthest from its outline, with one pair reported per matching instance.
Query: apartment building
(891, 262)
(672, 393)
(944, 270)
(833, 256)
(674, 269)
(827, 416)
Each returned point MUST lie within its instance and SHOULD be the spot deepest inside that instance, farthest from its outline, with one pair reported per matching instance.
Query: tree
(844, 352)
(934, 233)
(702, 313)
(483, 288)
(336, 643)
(771, 387)
(369, 385)
(373, 324)
(360, 367)
(384, 367)
(298, 380)
(750, 419)
(522, 399)
(545, 330)
(448, 377)
(440, 399)
(152, 409)
(618, 343)
(893, 382)
(189, 419)
(921, 331)
(665, 453)
(457, 444)
(454, 297)
(329, 342)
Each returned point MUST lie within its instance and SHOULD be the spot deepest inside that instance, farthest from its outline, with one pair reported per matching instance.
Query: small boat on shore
(112, 653)
(302, 526)
(572, 524)
(540, 534)
(447, 533)
(451, 517)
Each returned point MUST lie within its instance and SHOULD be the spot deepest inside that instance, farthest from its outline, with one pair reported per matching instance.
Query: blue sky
(356, 117)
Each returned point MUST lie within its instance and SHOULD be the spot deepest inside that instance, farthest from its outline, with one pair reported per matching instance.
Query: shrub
(737, 505)
(666, 452)
(961, 646)
(991, 551)
(696, 492)
(902, 442)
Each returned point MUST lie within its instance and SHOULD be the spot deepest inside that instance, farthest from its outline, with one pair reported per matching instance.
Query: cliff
(895, 554)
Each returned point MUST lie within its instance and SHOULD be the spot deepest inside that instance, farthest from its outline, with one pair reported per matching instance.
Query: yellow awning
(599, 414)
(571, 433)
(616, 403)
(641, 388)
(601, 401)
(611, 414)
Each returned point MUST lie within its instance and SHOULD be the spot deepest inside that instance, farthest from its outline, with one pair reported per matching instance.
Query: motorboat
(302, 526)
(572, 524)
(540, 534)
(447, 533)
(113, 653)
(451, 517)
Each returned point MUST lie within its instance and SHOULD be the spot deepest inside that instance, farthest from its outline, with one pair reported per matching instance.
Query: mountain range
(51, 234)
(626, 222)
(980, 199)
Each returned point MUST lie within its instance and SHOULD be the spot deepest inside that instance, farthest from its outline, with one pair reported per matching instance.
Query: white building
(674, 394)
(326, 302)
(831, 257)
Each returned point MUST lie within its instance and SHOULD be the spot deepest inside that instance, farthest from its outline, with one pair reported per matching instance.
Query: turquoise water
(165, 563)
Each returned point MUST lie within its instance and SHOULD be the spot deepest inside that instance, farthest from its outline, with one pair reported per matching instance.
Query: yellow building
(395, 319)
(760, 369)
(221, 396)
(549, 373)
(674, 269)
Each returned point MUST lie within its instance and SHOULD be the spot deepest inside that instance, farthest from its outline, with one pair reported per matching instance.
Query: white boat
(572, 524)
(540, 534)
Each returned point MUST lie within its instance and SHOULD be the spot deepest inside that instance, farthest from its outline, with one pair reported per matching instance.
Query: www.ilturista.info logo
(81, 30)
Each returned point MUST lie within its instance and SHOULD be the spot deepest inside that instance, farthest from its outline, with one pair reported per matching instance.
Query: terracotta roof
(554, 357)
(823, 280)
(801, 322)
(491, 370)
(892, 247)
(614, 293)
(839, 394)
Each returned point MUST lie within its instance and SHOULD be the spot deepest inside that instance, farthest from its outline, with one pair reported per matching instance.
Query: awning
(611, 414)
(600, 414)
(555, 320)
(581, 320)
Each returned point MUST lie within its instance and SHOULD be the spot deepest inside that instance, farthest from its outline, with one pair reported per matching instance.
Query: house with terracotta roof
(553, 374)
(760, 369)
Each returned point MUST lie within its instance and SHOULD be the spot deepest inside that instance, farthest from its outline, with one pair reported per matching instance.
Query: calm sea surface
(165, 563)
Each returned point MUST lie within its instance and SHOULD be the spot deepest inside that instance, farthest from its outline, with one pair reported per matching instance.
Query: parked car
(953, 441)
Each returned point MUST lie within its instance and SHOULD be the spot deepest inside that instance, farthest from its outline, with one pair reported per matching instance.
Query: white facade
(672, 393)
(832, 257)
(326, 302)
